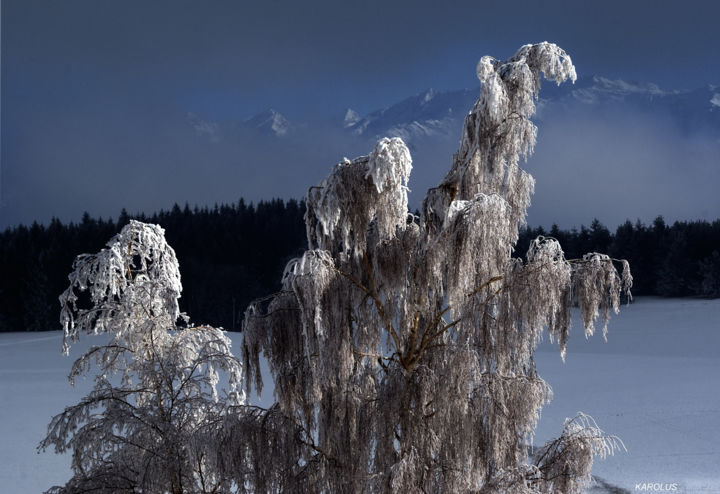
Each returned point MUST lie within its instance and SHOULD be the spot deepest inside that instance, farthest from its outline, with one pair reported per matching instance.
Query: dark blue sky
(94, 92)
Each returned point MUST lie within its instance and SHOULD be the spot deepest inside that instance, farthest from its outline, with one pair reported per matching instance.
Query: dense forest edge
(232, 254)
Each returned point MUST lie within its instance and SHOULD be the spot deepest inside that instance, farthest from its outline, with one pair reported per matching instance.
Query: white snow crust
(654, 384)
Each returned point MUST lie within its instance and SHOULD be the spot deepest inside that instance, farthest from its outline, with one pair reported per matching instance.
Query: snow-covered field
(655, 384)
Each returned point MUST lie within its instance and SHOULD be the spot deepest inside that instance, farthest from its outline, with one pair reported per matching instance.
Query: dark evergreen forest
(231, 254)
(228, 255)
(681, 260)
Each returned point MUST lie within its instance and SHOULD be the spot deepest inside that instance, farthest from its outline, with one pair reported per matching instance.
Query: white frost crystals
(152, 421)
(357, 193)
(402, 347)
(136, 276)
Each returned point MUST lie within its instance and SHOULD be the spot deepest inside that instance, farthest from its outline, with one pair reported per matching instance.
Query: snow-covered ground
(33, 387)
(655, 384)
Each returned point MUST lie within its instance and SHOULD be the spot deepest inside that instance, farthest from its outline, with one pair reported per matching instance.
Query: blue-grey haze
(140, 104)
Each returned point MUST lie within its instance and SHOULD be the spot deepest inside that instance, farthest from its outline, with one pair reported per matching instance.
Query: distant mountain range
(439, 114)
(270, 121)
(606, 148)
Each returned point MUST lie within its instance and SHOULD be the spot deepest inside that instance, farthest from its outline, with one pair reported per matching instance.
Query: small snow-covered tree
(402, 347)
(154, 419)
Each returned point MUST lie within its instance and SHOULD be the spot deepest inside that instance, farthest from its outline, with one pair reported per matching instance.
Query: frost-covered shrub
(153, 421)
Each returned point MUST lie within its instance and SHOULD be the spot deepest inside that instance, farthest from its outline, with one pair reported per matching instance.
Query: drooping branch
(403, 350)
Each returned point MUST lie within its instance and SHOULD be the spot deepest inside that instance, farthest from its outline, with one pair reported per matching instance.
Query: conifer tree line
(232, 254)
(678, 260)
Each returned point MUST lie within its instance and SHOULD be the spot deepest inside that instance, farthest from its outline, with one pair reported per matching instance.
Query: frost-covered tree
(154, 419)
(401, 347)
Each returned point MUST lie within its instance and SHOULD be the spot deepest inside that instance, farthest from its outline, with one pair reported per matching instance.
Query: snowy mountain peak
(429, 95)
(621, 87)
(270, 120)
(439, 114)
(601, 89)
(351, 118)
(205, 128)
(429, 113)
